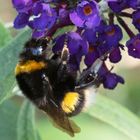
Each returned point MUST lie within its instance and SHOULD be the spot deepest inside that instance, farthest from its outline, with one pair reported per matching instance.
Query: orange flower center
(87, 10)
(111, 32)
(137, 42)
(91, 49)
(138, 21)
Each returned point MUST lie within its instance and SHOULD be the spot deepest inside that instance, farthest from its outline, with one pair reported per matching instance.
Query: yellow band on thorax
(29, 66)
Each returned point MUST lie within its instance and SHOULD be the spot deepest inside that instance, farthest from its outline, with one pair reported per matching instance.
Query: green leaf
(8, 59)
(8, 120)
(117, 116)
(63, 30)
(38, 137)
(4, 35)
(26, 122)
(6, 87)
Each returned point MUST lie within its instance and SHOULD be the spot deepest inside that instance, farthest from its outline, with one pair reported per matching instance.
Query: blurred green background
(128, 95)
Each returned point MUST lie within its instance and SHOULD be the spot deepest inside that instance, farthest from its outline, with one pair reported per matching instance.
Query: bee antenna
(112, 67)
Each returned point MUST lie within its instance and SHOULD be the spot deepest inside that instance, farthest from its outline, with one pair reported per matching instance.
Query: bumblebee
(52, 87)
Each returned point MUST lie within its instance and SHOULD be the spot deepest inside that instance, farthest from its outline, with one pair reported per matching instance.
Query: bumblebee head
(34, 50)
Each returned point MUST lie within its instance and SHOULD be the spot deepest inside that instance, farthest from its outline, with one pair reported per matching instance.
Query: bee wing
(60, 120)
(89, 77)
(93, 70)
(57, 115)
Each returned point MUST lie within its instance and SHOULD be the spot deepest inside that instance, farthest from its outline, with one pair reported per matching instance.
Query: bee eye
(37, 51)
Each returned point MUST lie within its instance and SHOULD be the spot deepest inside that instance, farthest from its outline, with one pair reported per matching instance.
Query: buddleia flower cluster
(97, 30)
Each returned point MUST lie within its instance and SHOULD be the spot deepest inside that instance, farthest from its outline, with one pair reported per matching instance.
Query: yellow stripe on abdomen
(29, 66)
(70, 102)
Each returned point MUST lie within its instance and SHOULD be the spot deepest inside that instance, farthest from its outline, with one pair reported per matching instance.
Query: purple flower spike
(75, 43)
(136, 19)
(22, 5)
(90, 35)
(118, 5)
(46, 19)
(133, 46)
(135, 4)
(112, 35)
(111, 80)
(21, 20)
(59, 43)
(36, 14)
(38, 34)
(91, 56)
(115, 56)
(86, 15)
(97, 30)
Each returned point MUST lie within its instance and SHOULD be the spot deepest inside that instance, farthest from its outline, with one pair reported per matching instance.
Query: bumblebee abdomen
(73, 103)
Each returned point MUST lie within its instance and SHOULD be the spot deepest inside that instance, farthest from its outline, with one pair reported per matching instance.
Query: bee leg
(90, 76)
(65, 55)
(64, 60)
